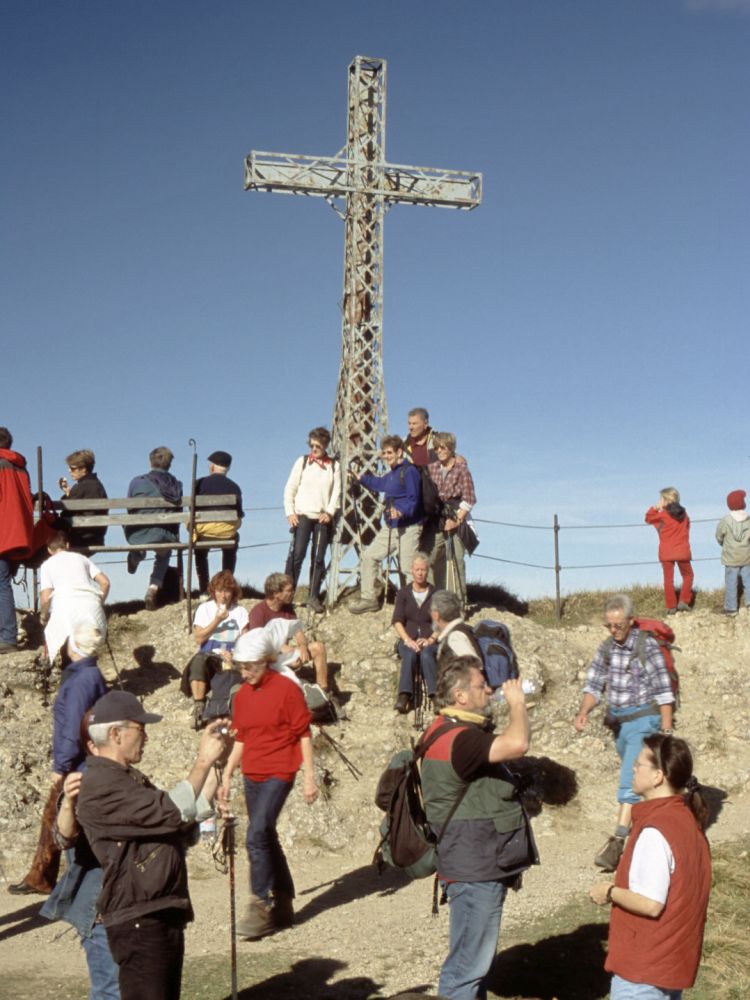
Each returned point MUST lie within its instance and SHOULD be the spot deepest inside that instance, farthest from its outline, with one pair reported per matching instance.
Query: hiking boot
(404, 703)
(683, 607)
(150, 599)
(282, 911)
(257, 920)
(197, 714)
(8, 647)
(315, 604)
(23, 888)
(609, 856)
(730, 613)
(671, 611)
(134, 559)
(362, 606)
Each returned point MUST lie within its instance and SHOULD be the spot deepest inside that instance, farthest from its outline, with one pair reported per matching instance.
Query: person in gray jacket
(733, 534)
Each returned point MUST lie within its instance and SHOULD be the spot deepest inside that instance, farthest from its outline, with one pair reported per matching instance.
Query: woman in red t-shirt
(271, 724)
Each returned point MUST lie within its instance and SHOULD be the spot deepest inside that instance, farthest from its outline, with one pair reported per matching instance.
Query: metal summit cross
(361, 186)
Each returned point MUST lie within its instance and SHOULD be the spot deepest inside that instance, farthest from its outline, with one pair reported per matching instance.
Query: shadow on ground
(356, 884)
(561, 967)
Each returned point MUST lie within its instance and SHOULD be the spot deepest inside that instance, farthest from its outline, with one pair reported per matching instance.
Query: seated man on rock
(277, 603)
(454, 636)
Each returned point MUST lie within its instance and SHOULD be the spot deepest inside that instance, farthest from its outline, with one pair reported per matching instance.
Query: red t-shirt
(271, 717)
(261, 615)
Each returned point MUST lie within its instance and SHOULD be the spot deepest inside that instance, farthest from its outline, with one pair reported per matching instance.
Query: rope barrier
(583, 527)
(513, 562)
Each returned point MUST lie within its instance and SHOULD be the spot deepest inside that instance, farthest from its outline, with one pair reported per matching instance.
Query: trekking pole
(191, 535)
(313, 557)
(452, 561)
(353, 769)
(387, 571)
(229, 843)
(114, 662)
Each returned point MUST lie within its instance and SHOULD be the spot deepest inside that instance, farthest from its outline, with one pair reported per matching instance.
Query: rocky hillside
(347, 914)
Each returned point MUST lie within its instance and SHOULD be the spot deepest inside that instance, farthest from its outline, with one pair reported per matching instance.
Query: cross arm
(327, 177)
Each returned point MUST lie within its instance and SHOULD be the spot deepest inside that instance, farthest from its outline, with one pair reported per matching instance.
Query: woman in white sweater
(312, 497)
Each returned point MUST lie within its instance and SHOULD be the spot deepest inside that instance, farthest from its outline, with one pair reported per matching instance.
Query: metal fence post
(556, 533)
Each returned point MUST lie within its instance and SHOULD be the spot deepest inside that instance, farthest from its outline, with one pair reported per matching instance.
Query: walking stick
(223, 854)
(353, 769)
(452, 563)
(191, 534)
(114, 662)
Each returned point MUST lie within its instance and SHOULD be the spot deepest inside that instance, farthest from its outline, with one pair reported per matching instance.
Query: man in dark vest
(487, 843)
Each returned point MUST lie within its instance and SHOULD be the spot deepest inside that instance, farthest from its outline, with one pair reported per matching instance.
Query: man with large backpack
(402, 520)
(487, 843)
(630, 667)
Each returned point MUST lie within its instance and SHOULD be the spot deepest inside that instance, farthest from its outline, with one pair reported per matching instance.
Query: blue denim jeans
(268, 866)
(8, 632)
(306, 529)
(475, 912)
(427, 663)
(731, 576)
(623, 989)
(103, 971)
(628, 743)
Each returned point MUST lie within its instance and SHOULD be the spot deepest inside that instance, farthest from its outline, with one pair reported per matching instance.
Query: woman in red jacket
(660, 894)
(673, 525)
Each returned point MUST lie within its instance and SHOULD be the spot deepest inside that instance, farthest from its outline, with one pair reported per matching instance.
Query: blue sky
(583, 332)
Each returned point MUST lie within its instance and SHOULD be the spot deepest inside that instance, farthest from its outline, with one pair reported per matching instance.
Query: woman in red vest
(660, 894)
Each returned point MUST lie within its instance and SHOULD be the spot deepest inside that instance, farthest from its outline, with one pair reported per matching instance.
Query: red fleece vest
(665, 951)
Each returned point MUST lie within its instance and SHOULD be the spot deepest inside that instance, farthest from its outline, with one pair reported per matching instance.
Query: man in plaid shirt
(640, 701)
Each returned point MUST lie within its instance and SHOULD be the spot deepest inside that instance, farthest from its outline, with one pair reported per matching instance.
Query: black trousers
(149, 952)
(228, 561)
(302, 534)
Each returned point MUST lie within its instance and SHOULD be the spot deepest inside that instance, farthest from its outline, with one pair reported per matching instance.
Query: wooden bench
(153, 511)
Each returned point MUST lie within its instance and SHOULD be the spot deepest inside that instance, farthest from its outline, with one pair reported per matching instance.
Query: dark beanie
(222, 458)
(736, 500)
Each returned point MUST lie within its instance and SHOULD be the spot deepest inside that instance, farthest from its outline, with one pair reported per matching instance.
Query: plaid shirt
(455, 484)
(629, 682)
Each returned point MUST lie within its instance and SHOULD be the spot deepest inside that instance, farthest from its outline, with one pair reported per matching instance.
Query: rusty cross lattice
(360, 185)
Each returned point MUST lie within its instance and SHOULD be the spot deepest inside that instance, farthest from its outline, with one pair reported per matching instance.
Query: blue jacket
(156, 483)
(403, 490)
(82, 685)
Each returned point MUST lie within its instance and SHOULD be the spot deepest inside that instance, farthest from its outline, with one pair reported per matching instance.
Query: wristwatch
(609, 893)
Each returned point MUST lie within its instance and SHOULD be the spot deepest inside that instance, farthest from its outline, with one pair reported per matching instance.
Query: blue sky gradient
(583, 333)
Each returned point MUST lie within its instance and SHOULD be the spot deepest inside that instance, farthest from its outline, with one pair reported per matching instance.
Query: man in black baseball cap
(216, 483)
(140, 837)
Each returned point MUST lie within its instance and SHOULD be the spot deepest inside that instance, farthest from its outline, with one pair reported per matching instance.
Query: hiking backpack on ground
(407, 840)
(492, 641)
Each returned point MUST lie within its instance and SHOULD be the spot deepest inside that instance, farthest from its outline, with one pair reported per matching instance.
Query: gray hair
(87, 639)
(447, 604)
(454, 672)
(620, 602)
(419, 411)
(99, 731)
(420, 557)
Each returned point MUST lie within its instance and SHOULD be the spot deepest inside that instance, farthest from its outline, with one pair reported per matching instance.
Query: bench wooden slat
(227, 500)
(158, 517)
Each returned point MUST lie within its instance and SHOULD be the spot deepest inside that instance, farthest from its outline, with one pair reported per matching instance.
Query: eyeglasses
(617, 626)
(442, 447)
(76, 468)
(314, 446)
(141, 729)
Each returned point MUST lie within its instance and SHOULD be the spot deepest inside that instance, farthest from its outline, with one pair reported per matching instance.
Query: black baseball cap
(120, 706)
(222, 458)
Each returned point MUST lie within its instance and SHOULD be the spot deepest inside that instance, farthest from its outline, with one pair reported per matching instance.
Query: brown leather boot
(257, 920)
